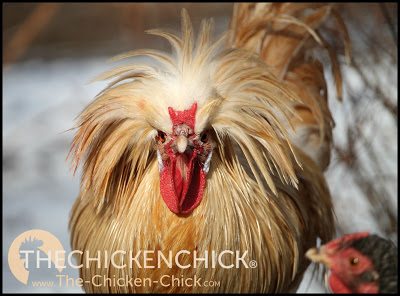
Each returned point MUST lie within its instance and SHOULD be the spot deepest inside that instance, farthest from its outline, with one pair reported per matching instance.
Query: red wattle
(337, 286)
(178, 177)
(181, 192)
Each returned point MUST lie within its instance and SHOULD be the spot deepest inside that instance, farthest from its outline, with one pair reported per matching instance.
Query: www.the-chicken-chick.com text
(127, 281)
(183, 259)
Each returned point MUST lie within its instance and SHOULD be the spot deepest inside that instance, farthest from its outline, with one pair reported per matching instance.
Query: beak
(181, 143)
(319, 256)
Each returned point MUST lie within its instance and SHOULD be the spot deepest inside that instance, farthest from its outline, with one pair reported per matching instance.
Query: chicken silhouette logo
(33, 250)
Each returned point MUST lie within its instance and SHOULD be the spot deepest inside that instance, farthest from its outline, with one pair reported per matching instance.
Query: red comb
(347, 238)
(183, 117)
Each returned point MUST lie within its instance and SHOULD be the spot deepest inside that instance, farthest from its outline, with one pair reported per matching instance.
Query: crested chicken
(359, 263)
(220, 146)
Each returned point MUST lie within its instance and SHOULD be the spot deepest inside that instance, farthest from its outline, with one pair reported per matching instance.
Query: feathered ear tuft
(114, 142)
(253, 111)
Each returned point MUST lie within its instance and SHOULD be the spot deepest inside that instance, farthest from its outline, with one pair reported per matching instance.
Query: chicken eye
(204, 137)
(161, 137)
(354, 261)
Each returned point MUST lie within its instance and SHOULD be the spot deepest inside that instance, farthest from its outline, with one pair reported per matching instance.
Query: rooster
(221, 146)
(359, 263)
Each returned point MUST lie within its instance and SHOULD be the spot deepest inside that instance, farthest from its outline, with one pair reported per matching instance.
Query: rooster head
(184, 158)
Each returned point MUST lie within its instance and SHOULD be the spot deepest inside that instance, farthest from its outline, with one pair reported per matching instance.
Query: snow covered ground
(40, 101)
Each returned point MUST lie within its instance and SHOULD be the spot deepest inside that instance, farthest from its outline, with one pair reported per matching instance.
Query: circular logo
(34, 243)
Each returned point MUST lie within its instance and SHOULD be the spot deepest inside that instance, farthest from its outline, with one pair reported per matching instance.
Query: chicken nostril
(181, 143)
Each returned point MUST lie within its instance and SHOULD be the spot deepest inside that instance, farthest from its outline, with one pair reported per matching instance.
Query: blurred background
(52, 51)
